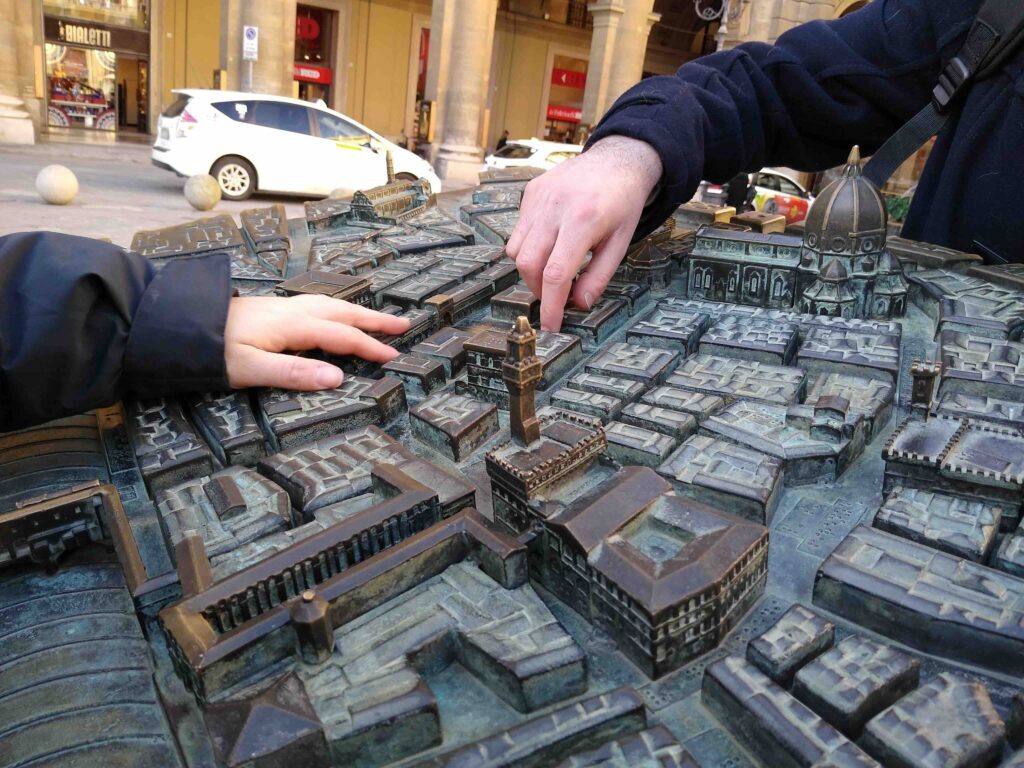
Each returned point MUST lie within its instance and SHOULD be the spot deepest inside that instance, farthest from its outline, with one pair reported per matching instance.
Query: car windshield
(514, 152)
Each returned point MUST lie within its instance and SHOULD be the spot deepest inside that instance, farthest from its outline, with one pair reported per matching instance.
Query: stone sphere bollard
(202, 192)
(57, 184)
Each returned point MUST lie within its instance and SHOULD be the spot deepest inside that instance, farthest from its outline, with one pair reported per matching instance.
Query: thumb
(251, 367)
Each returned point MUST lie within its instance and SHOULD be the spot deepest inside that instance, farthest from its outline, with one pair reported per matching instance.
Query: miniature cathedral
(845, 269)
(841, 268)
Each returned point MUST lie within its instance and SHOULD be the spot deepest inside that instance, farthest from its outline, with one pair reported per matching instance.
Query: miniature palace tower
(522, 371)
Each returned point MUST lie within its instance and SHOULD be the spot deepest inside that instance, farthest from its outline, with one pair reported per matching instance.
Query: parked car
(533, 153)
(773, 191)
(252, 142)
(777, 191)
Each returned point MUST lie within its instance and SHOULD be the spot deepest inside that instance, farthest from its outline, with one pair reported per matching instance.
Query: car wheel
(235, 176)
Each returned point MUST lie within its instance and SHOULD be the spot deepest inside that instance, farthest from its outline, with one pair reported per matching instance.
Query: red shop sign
(311, 73)
(568, 114)
(307, 28)
(569, 78)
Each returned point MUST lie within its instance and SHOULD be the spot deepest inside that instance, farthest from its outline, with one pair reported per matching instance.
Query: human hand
(260, 329)
(589, 203)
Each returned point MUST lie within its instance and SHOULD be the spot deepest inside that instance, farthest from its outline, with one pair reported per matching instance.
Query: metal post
(723, 28)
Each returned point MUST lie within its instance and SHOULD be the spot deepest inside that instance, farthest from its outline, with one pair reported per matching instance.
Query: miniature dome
(849, 216)
(888, 264)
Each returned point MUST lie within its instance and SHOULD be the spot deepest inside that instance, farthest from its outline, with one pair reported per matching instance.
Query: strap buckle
(951, 84)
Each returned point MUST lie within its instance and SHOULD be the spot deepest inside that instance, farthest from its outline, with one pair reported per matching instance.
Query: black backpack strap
(995, 35)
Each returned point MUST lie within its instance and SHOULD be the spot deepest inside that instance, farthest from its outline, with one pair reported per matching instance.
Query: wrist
(634, 157)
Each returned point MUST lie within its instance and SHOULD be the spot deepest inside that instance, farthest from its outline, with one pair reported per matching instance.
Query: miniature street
(697, 527)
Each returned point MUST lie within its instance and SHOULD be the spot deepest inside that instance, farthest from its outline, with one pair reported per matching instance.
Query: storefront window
(125, 13)
(314, 51)
(565, 103)
(81, 84)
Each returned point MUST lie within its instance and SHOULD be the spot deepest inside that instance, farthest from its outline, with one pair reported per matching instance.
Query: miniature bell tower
(521, 371)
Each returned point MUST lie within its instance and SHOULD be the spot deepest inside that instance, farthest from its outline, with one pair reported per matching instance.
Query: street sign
(250, 43)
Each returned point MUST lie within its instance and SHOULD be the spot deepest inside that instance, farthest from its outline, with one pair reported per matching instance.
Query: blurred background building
(447, 75)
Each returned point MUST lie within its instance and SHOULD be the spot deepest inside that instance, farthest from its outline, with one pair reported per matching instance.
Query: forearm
(82, 323)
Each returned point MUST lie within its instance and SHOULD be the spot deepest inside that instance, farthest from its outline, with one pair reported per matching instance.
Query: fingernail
(588, 299)
(328, 377)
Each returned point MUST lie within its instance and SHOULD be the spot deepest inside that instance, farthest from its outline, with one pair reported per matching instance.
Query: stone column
(617, 50)
(607, 15)
(437, 65)
(15, 120)
(272, 72)
(631, 46)
(460, 154)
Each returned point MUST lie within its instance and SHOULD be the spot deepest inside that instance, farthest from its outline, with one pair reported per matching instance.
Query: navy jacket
(825, 86)
(83, 323)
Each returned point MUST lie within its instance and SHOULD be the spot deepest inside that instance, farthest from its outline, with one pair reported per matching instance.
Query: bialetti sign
(83, 35)
(89, 35)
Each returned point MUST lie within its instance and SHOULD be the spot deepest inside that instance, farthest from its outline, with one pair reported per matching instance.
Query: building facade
(544, 68)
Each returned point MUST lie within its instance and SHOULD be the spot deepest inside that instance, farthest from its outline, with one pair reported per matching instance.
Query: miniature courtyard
(759, 506)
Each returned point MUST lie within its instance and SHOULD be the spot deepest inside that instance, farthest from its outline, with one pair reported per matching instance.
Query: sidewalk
(120, 191)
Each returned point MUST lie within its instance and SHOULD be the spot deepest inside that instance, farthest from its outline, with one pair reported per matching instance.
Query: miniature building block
(671, 329)
(871, 355)
(168, 450)
(277, 727)
(796, 638)
(636, 296)
(655, 547)
(979, 366)
(596, 325)
(955, 455)
(231, 508)
(516, 301)
(297, 417)
(759, 221)
(352, 288)
(420, 375)
(770, 722)
(604, 407)
(763, 341)
(1009, 557)
(649, 365)
(812, 444)
(413, 291)
(696, 404)
(951, 524)
(229, 426)
(632, 445)
(568, 444)
(732, 378)
(871, 398)
(908, 591)
(547, 739)
(655, 746)
(447, 346)
(674, 424)
(455, 425)
(625, 390)
(854, 681)
(949, 721)
(501, 275)
(729, 476)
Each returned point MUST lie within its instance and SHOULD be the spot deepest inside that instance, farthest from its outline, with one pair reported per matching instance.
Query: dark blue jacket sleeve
(803, 102)
(83, 323)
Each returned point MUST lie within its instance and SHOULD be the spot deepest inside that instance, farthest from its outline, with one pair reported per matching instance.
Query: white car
(533, 153)
(252, 142)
